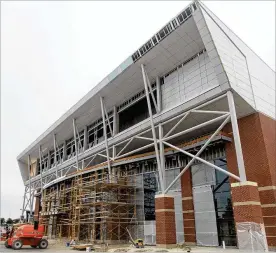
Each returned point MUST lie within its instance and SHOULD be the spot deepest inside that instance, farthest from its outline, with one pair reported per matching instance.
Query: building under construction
(176, 145)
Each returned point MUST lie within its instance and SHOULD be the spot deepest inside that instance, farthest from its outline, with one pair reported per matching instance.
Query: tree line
(9, 221)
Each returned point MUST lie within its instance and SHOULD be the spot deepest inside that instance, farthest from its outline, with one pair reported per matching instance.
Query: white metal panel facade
(189, 81)
(262, 77)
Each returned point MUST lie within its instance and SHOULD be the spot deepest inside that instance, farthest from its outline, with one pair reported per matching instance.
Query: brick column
(258, 140)
(248, 214)
(188, 208)
(165, 220)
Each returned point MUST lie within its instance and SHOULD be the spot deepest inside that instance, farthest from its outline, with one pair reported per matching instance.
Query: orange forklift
(26, 234)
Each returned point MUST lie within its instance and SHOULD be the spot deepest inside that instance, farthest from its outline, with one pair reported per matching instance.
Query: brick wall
(258, 140)
(188, 208)
(165, 220)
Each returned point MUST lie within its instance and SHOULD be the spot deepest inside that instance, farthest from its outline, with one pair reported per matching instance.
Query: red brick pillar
(258, 140)
(247, 214)
(165, 220)
(188, 208)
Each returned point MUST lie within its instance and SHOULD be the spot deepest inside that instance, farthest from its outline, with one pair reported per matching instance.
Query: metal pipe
(177, 124)
(143, 138)
(236, 135)
(196, 127)
(115, 121)
(203, 161)
(152, 128)
(198, 153)
(108, 122)
(40, 161)
(55, 151)
(121, 142)
(29, 169)
(151, 92)
(125, 146)
(209, 112)
(159, 94)
(134, 151)
(91, 160)
(105, 137)
(198, 107)
(76, 146)
(85, 141)
(162, 153)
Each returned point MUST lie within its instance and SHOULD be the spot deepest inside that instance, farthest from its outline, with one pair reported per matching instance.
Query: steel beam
(76, 146)
(48, 161)
(105, 137)
(151, 92)
(202, 160)
(236, 135)
(159, 94)
(115, 121)
(85, 139)
(177, 124)
(107, 119)
(153, 129)
(196, 127)
(30, 189)
(198, 153)
(55, 153)
(162, 153)
(64, 151)
(40, 161)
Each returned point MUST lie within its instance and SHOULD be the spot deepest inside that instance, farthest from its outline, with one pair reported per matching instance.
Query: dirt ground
(61, 248)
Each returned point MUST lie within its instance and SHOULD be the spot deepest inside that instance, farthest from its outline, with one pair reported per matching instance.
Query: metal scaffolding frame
(92, 207)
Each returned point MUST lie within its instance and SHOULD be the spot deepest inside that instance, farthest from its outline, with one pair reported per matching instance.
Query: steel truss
(153, 135)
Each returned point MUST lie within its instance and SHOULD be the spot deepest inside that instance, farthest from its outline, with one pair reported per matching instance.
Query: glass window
(223, 205)
(188, 11)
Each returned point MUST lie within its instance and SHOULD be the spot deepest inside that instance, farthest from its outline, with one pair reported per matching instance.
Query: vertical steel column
(76, 143)
(158, 91)
(153, 129)
(30, 191)
(105, 137)
(160, 129)
(162, 154)
(85, 138)
(64, 152)
(40, 161)
(49, 160)
(55, 153)
(115, 121)
(236, 136)
(115, 128)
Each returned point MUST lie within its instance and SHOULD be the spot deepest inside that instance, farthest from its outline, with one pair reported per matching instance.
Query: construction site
(175, 146)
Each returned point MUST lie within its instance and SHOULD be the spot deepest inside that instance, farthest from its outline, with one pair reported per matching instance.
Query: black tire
(43, 244)
(34, 246)
(17, 244)
(7, 245)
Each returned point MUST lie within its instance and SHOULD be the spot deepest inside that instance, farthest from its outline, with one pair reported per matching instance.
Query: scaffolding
(94, 207)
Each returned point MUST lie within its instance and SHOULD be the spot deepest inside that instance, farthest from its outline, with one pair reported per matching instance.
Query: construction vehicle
(26, 234)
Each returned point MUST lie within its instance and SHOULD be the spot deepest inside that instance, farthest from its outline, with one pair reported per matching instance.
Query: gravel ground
(60, 248)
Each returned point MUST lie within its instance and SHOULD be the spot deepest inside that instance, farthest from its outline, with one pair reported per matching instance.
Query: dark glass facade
(223, 206)
(150, 187)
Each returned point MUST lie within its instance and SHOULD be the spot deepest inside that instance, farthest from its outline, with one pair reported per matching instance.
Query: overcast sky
(53, 53)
